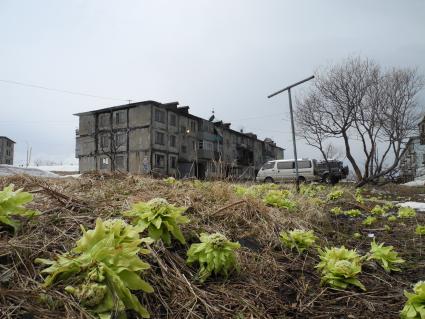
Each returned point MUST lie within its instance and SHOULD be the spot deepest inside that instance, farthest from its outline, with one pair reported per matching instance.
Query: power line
(63, 91)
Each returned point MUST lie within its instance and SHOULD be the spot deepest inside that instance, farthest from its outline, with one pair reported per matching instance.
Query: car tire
(301, 179)
(327, 178)
(268, 180)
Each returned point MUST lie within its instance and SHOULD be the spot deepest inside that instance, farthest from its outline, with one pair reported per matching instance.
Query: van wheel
(327, 179)
(268, 180)
(301, 179)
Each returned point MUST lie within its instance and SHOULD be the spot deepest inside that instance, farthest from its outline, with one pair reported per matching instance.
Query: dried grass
(273, 282)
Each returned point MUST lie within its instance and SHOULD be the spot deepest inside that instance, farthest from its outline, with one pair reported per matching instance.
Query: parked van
(284, 170)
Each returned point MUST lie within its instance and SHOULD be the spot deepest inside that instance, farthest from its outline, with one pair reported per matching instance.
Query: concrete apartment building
(152, 137)
(412, 161)
(6, 150)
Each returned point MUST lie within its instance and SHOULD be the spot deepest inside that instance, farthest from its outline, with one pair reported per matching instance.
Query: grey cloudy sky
(221, 54)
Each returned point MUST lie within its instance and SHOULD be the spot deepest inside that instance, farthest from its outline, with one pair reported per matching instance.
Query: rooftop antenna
(288, 88)
(212, 117)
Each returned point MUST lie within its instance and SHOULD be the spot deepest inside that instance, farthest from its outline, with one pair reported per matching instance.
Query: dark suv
(331, 172)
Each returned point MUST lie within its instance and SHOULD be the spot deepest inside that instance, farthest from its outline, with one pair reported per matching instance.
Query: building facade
(6, 150)
(152, 137)
(412, 161)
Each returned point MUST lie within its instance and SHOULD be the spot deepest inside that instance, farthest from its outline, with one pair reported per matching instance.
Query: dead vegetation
(273, 282)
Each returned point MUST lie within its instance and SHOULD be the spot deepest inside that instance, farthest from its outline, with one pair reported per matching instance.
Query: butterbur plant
(420, 230)
(12, 205)
(298, 238)
(279, 199)
(369, 220)
(337, 211)
(160, 218)
(103, 269)
(359, 196)
(415, 304)
(385, 256)
(378, 210)
(392, 218)
(215, 254)
(339, 267)
(352, 212)
(334, 195)
(406, 212)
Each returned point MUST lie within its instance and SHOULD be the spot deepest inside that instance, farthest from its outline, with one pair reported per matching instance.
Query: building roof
(5, 137)
(125, 106)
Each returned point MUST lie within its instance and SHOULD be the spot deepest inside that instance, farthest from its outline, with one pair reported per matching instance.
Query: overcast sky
(222, 54)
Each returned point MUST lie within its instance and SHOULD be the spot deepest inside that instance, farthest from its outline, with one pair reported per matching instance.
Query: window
(285, 165)
(304, 164)
(159, 160)
(173, 120)
(120, 139)
(201, 145)
(160, 116)
(120, 162)
(193, 126)
(104, 141)
(119, 117)
(183, 129)
(104, 163)
(104, 120)
(172, 141)
(184, 149)
(173, 162)
(193, 145)
(268, 165)
(159, 138)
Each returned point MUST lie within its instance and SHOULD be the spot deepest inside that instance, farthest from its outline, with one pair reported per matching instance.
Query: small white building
(412, 161)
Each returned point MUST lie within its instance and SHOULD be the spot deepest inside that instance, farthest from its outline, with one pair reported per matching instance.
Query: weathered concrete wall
(87, 124)
(87, 164)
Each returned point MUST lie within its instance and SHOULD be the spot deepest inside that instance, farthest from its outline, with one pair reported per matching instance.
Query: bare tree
(112, 144)
(356, 100)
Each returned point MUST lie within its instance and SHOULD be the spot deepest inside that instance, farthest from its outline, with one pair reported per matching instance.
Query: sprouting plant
(257, 191)
(352, 212)
(414, 307)
(104, 267)
(336, 194)
(369, 220)
(387, 228)
(339, 267)
(359, 196)
(298, 239)
(311, 190)
(392, 218)
(160, 218)
(279, 199)
(214, 254)
(357, 235)
(420, 230)
(406, 212)
(337, 211)
(378, 210)
(170, 181)
(12, 204)
(385, 256)
(388, 206)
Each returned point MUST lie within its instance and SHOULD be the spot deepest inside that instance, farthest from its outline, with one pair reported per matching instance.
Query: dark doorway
(201, 167)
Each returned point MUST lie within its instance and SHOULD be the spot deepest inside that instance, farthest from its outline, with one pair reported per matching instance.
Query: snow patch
(419, 206)
(9, 170)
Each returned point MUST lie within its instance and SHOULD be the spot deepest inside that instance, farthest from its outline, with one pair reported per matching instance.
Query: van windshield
(269, 165)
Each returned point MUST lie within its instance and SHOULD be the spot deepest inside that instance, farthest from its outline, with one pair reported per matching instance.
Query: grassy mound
(273, 281)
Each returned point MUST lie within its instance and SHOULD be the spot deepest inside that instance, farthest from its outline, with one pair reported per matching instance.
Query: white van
(284, 170)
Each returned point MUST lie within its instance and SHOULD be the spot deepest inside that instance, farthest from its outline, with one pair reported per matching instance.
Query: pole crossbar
(288, 88)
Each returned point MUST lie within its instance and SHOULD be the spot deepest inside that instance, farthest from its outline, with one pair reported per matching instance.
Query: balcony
(205, 154)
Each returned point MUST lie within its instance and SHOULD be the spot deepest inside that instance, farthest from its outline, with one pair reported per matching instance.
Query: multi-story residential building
(6, 150)
(412, 161)
(152, 137)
